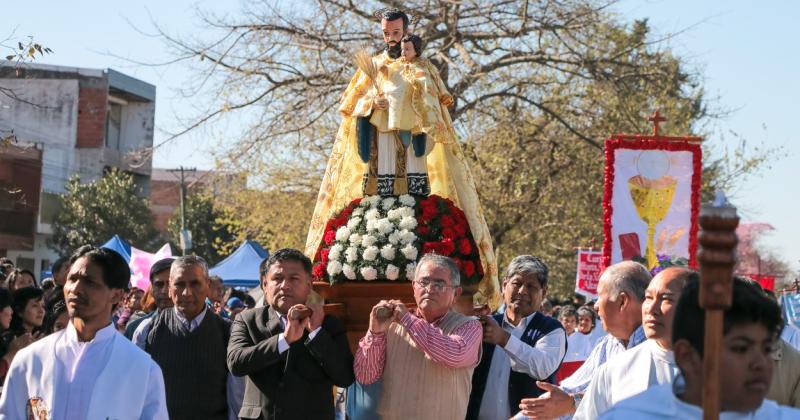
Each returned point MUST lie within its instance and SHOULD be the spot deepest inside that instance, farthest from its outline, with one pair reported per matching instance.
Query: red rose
(423, 230)
(356, 202)
(449, 233)
(461, 229)
(329, 237)
(447, 247)
(469, 268)
(319, 270)
(430, 248)
(323, 256)
(428, 213)
(447, 221)
(464, 246)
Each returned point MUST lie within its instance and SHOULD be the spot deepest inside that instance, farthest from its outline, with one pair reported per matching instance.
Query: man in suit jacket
(292, 362)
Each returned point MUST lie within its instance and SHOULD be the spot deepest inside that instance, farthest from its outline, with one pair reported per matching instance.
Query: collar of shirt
(191, 325)
(636, 338)
(662, 354)
(102, 334)
(436, 321)
(507, 325)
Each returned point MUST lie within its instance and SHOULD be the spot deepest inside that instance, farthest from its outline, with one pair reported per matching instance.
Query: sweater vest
(416, 387)
(193, 363)
(520, 385)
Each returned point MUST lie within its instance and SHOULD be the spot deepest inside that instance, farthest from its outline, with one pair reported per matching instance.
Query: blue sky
(747, 52)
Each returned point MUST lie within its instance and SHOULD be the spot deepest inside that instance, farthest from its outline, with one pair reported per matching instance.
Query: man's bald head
(626, 276)
(620, 294)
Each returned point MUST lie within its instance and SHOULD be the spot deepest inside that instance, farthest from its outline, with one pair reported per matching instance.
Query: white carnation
(408, 223)
(372, 224)
(349, 272)
(388, 202)
(370, 253)
(410, 252)
(407, 200)
(351, 254)
(373, 201)
(334, 268)
(353, 223)
(410, 267)
(395, 214)
(407, 237)
(372, 214)
(394, 238)
(392, 272)
(387, 252)
(385, 226)
(354, 239)
(342, 233)
(336, 252)
(368, 241)
(358, 211)
(406, 212)
(369, 273)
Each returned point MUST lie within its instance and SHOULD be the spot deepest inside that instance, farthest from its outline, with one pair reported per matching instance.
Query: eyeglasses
(436, 286)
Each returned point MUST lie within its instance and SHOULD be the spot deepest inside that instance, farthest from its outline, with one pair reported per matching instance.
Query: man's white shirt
(538, 361)
(660, 403)
(625, 375)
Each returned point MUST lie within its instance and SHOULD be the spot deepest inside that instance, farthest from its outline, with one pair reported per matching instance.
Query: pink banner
(590, 265)
(140, 264)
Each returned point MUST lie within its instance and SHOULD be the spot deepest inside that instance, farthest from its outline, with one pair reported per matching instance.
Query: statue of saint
(397, 137)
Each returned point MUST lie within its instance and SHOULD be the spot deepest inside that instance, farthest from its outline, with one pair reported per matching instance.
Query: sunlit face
(392, 31)
(60, 276)
(87, 295)
(609, 310)
(433, 290)
(33, 315)
(659, 303)
(408, 50)
(5, 318)
(23, 280)
(188, 288)
(569, 322)
(134, 301)
(286, 284)
(584, 324)
(523, 294)
(61, 322)
(216, 291)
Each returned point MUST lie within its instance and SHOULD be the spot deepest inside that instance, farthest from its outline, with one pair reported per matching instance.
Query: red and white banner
(590, 266)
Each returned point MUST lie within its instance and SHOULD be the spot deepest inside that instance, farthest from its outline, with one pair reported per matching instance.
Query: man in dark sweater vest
(292, 359)
(520, 346)
(189, 343)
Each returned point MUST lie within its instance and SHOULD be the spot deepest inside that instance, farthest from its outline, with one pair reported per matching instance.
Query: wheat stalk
(364, 63)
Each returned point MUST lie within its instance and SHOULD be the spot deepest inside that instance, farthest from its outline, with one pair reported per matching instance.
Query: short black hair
(394, 14)
(285, 254)
(749, 305)
(414, 40)
(21, 298)
(58, 264)
(12, 277)
(116, 273)
(5, 298)
(160, 266)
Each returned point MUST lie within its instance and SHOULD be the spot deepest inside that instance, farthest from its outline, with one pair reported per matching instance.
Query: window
(113, 125)
(50, 206)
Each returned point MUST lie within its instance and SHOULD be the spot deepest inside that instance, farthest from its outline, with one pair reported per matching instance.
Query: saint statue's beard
(395, 50)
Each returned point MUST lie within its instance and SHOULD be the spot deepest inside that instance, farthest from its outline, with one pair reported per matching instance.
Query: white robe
(660, 403)
(625, 375)
(129, 385)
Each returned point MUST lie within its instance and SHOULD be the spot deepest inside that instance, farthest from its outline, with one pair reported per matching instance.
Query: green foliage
(92, 213)
(212, 239)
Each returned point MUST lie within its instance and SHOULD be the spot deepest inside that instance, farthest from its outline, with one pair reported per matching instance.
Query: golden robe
(448, 170)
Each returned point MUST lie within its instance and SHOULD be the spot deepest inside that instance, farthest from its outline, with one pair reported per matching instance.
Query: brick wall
(92, 105)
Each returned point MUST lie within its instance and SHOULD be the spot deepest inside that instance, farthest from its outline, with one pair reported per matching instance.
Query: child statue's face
(408, 50)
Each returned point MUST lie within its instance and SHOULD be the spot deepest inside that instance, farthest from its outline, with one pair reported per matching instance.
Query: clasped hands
(298, 322)
(384, 313)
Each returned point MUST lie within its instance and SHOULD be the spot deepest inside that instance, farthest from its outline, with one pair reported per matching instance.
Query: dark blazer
(295, 384)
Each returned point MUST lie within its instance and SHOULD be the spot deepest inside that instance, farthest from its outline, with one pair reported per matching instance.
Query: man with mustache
(520, 346)
(425, 359)
(291, 351)
(751, 327)
(649, 364)
(620, 292)
(190, 342)
(137, 330)
(87, 370)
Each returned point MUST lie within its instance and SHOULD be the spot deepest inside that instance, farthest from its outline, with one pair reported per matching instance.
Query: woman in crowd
(19, 279)
(9, 345)
(57, 319)
(28, 312)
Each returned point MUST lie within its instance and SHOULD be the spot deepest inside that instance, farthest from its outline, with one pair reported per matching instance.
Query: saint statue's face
(393, 31)
(408, 50)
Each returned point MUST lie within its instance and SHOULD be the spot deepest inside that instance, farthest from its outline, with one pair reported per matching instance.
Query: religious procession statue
(397, 184)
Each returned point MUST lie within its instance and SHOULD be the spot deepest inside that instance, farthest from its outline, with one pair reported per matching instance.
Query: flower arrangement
(664, 261)
(381, 238)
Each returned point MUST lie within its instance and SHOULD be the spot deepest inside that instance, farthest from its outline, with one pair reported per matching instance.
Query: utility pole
(185, 235)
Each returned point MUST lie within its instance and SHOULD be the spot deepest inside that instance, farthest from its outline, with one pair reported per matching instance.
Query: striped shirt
(457, 350)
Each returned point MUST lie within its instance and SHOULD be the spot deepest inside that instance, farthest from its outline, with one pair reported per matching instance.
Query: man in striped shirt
(425, 359)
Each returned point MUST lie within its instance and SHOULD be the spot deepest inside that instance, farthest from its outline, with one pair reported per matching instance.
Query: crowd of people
(90, 346)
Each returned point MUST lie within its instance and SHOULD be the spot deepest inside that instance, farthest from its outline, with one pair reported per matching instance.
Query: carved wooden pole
(716, 256)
